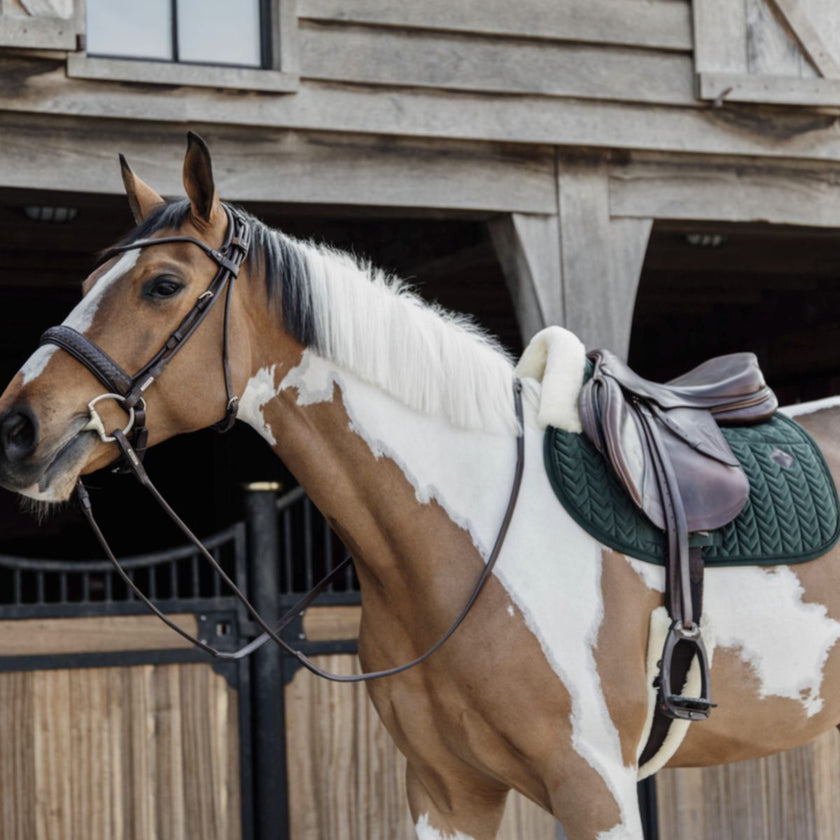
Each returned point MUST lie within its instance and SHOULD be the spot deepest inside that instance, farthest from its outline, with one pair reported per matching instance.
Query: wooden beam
(283, 166)
(99, 634)
(638, 23)
(601, 260)
(720, 36)
(46, 33)
(29, 87)
(528, 248)
(776, 90)
(494, 65)
(809, 37)
(728, 192)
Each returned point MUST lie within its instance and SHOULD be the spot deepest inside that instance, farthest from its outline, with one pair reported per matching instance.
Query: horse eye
(162, 287)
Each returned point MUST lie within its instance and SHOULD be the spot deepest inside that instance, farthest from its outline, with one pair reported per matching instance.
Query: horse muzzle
(32, 466)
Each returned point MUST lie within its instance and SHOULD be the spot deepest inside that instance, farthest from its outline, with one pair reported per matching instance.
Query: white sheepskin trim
(556, 358)
(659, 624)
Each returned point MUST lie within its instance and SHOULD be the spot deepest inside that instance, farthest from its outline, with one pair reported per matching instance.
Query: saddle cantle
(666, 449)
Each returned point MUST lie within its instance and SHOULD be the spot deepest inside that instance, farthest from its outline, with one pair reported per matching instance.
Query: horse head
(149, 293)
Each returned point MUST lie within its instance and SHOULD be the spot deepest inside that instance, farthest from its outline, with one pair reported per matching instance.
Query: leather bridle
(128, 391)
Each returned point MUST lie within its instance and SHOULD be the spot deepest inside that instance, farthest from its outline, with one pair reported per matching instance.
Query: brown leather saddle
(665, 445)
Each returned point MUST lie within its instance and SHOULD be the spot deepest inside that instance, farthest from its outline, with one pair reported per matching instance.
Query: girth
(128, 390)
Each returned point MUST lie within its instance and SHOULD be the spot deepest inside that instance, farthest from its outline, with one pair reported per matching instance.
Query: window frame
(278, 42)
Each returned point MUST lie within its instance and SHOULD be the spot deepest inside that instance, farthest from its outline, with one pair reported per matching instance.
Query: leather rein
(128, 392)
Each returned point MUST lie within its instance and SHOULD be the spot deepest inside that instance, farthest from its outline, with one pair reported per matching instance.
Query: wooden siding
(662, 24)
(792, 794)
(119, 754)
(346, 776)
(493, 65)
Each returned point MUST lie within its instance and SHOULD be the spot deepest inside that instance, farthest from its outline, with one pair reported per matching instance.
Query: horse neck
(407, 492)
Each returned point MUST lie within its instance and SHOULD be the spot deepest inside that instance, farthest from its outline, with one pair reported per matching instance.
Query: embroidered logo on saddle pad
(791, 515)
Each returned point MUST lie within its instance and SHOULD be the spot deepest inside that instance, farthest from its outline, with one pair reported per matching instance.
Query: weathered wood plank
(325, 624)
(346, 778)
(528, 248)
(28, 87)
(37, 33)
(777, 90)
(720, 32)
(664, 25)
(39, 637)
(119, 753)
(390, 57)
(602, 260)
(286, 166)
(805, 28)
(773, 798)
(731, 191)
(772, 47)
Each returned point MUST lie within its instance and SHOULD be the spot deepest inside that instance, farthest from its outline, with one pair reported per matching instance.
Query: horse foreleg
(446, 808)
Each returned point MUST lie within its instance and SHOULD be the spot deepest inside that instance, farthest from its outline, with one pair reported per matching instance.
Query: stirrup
(678, 706)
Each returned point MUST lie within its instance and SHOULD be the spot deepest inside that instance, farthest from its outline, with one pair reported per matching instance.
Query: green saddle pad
(790, 517)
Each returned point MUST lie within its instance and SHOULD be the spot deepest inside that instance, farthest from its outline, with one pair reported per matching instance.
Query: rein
(128, 392)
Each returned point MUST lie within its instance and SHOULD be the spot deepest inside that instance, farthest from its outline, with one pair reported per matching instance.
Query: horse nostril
(18, 434)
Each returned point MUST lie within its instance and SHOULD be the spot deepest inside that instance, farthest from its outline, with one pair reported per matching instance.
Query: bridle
(128, 391)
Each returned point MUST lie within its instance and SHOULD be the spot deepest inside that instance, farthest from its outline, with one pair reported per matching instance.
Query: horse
(399, 420)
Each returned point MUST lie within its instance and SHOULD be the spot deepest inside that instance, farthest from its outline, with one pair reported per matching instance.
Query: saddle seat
(647, 429)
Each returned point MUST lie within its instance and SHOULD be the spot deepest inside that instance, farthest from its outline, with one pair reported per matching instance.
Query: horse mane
(374, 326)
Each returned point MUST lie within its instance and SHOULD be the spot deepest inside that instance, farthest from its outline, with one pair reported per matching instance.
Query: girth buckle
(95, 423)
(686, 644)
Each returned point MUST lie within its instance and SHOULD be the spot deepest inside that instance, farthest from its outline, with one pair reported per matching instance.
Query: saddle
(666, 448)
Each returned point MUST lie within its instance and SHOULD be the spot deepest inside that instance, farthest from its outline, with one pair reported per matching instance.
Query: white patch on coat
(550, 567)
(82, 315)
(425, 831)
(801, 409)
(556, 358)
(259, 391)
(761, 613)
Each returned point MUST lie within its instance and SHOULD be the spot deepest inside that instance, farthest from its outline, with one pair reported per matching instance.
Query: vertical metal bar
(288, 569)
(86, 586)
(16, 587)
(109, 586)
(328, 547)
(152, 581)
(39, 577)
(270, 747)
(266, 35)
(307, 544)
(173, 11)
(196, 585)
(646, 791)
(173, 579)
(62, 587)
(217, 581)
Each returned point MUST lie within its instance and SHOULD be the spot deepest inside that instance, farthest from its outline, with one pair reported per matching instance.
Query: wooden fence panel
(346, 776)
(119, 754)
(792, 794)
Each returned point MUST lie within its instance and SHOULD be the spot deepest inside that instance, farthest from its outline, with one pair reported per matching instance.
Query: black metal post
(269, 730)
(647, 807)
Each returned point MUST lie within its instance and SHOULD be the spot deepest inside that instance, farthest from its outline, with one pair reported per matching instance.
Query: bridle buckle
(95, 423)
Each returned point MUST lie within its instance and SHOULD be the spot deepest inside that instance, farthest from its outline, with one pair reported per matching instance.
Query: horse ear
(198, 180)
(141, 197)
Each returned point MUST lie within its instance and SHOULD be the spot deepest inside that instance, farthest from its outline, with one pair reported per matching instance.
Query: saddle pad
(791, 515)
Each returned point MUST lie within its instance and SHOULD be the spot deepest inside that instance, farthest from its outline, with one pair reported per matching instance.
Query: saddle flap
(712, 485)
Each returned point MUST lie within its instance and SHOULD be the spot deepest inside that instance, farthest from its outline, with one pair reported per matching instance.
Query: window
(216, 43)
(218, 32)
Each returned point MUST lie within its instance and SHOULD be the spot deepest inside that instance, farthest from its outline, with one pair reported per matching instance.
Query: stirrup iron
(679, 706)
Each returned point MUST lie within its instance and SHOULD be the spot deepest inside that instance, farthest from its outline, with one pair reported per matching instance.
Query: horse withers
(399, 421)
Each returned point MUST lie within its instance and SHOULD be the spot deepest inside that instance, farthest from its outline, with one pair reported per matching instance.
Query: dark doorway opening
(49, 245)
(709, 289)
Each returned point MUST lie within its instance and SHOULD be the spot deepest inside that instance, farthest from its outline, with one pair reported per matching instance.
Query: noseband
(128, 390)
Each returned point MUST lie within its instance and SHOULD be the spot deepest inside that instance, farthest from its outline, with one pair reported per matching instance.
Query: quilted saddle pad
(791, 515)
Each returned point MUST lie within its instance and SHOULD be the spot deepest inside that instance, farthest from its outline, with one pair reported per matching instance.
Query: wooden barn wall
(119, 753)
